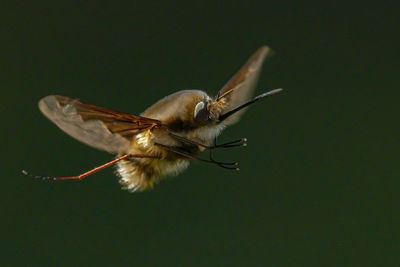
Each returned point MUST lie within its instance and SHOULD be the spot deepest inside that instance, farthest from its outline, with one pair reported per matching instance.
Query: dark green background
(319, 181)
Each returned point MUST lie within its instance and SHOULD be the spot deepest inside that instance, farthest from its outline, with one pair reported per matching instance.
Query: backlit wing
(95, 126)
(240, 87)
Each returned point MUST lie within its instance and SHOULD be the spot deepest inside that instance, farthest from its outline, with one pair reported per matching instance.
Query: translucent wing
(95, 126)
(240, 87)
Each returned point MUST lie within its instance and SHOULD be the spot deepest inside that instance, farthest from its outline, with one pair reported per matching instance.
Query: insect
(166, 136)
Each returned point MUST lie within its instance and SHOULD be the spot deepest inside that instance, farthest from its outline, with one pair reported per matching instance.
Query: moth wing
(240, 88)
(98, 127)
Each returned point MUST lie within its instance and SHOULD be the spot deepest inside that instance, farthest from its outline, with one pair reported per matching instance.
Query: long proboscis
(255, 99)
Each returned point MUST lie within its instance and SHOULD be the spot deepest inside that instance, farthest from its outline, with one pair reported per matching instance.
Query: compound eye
(201, 112)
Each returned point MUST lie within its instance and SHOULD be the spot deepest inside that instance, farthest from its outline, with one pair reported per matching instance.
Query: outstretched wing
(95, 126)
(240, 87)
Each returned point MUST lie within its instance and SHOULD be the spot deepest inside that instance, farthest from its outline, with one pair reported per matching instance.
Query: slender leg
(210, 151)
(239, 142)
(86, 174)
(222, 164)
(225, 165)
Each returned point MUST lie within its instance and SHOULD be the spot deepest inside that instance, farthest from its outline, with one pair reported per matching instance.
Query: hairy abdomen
(139, 174)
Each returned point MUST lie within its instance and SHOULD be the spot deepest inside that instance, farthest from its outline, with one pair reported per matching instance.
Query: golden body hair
(175, 111)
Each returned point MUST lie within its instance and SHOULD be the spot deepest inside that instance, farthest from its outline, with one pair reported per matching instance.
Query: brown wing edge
(93, 132)
(241, 86)
(252, 65)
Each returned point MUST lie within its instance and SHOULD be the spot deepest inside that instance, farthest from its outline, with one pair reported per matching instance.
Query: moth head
(202, 112)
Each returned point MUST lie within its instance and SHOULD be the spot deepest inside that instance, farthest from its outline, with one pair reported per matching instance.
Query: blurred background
(319, 182)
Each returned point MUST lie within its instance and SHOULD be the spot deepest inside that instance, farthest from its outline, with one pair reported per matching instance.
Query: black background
(319, 180)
